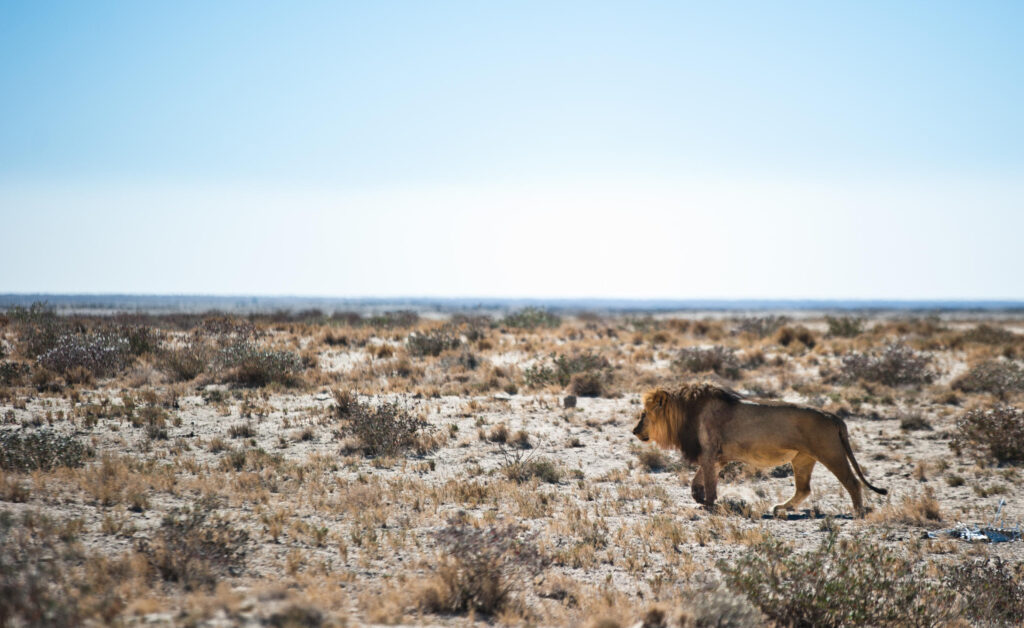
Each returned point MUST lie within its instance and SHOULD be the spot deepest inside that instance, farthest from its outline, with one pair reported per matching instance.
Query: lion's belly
(756, 456)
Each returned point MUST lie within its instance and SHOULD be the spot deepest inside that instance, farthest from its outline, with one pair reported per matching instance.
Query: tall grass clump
(896, 365)
(996, 432)
(848, 582)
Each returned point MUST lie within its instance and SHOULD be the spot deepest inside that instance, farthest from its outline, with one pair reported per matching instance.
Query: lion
(713, 425)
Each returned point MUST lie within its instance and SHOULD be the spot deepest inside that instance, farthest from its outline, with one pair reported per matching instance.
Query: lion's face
(640, 431)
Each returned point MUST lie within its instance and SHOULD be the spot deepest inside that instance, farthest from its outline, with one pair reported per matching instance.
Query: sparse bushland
(996, 432)
(761, 326)
(843, 582)
(896, 365)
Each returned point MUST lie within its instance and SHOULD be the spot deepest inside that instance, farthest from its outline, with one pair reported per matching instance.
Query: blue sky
(549, 149)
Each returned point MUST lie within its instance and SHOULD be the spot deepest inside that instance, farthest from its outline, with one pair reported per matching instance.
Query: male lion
(713, 425)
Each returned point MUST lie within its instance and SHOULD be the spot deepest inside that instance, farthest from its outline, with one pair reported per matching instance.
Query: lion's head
(669, 418)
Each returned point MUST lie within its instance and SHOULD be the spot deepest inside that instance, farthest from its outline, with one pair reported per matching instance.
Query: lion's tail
(844, 436)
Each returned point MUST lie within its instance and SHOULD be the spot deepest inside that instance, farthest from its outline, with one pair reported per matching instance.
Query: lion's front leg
(709, 478)
(697, 487)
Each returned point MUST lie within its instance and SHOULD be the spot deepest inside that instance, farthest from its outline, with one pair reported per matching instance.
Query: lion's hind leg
(840, 467)
(803, 466)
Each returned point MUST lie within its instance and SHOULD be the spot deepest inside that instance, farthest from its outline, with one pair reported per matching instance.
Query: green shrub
(42, 450)
(895, 365)
(998, 377)
(531, 318)
(997, 431)
(844, 326)
(849, 582)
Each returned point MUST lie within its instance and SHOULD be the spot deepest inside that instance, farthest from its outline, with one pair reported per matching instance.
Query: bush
(42, 450)
(990, 335)
(997, 432)
(99, 353)
(432, 343)
(39, 328)
(247, 364)
(720, 608)
(998, 377)
(194, 549)
(390, 320)
(994, 594)
(721, 360)
(531, 318)
(594, 373)
(382, 430)
(896, 365)
(480, 568)
(522, 468)
(844, 326)
(852, 582)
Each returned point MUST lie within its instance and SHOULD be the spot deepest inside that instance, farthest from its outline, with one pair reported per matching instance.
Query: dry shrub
(480, 568)
(720, 608)
(761, 326)
(245, 363)
(520, 467)
(99, 353)
(998, 377)
(721, 360)
(186, 362)
(432, 343)
(589, 384)
(591, 372)
(195, 548)
(994, 593)
(788, 335)
(849, 582)
(386, 429)
(895, 365)
(997, 431)
(652, 459)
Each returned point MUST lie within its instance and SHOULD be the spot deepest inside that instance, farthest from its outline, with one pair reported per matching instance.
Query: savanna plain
(338, 468)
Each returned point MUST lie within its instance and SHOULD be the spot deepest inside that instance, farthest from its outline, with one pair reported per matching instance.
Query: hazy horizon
(528, 150)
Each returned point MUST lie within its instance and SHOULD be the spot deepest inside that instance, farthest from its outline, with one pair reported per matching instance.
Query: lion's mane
(674, 414)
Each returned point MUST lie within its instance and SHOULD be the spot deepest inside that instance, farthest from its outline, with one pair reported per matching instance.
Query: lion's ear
(656, 399)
